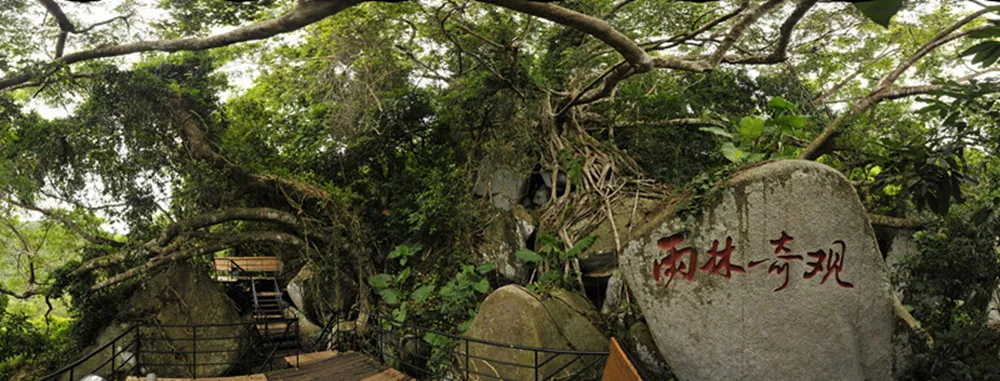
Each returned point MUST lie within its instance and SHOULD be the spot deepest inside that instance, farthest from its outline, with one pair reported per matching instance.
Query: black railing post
(536, 364)
(466, 359)
(298, 344)
(113, 355)
(194, 352)
(138, 362)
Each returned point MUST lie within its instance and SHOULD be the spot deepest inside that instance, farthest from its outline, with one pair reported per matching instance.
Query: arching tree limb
(635, 55)
(820, 145)
(895, 222)
(305, 12)
(95, 239)
(223, 242)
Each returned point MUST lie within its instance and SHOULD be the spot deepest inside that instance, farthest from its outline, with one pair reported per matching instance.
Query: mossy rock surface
(183, 294)
(514, 315)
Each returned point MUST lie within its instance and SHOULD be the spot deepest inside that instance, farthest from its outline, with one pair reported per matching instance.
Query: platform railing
(122, 352)
(139, 349)
(403, 346)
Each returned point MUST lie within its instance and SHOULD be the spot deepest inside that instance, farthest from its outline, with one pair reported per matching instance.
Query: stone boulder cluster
(779, 278)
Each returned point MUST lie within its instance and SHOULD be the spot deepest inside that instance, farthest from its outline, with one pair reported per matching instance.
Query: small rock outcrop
(781, 279)
(514, 315)
(503, 237)
(642, 345)
(316, 298)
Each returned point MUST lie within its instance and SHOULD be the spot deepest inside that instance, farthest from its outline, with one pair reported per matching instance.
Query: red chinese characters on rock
(683, 261)
(674, 263)
(834, 264)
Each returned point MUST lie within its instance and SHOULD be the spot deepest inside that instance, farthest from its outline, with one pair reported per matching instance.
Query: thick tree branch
(222, 243)
(820, 144)
(672, 123)
(242, 214)
(200, 148)
(97, 240)
(635, 55)
(780, 53)
(738, 29)
(702, 64)
(941, 38)
(305, 12)
(895, 222)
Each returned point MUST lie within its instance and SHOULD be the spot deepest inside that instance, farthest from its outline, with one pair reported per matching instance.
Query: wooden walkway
(351, 366)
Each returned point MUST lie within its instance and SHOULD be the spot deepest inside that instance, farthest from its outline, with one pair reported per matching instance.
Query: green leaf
(399, 314)
(732, 153)
(717, 131)
(423, 293)
(381, 280)
(974, 49)
(486, 267)
(403, 276)
(436, 340)
(464, 326)
(528, 256)
(483, 286)
(986, 33)
(751, 128)
(391, 296)
(781, 103)
(755, 157)
(793, 121)
(549, 240)
(581, 245)
(880, 11)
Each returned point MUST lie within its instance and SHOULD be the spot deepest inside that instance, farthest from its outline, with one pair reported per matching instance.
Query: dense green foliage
(375, 130)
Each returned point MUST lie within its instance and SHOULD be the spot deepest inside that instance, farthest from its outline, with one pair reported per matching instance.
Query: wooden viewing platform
(330, 365)
(249, 264)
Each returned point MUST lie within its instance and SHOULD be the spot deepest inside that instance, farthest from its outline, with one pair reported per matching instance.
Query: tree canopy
(138, 133)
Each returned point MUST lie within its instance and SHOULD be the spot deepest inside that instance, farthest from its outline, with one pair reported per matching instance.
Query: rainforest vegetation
(355, 136)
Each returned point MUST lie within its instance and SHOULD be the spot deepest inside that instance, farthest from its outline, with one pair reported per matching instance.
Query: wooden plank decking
(351, 366)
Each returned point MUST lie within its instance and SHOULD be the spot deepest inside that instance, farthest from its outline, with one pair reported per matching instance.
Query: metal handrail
(71, 368)
(487, 342)
(459, 365)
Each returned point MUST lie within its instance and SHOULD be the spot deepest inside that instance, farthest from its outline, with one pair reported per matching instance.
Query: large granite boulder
(178, 295)
(780, 279)
(182, 295)
(514, 315)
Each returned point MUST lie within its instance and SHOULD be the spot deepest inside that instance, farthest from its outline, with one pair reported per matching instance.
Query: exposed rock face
(779, 280)
(600, 259)
(503, 237)
(501, 183)
(314, 296)
(902, 246)
(514, 315)
(124, 348)
(643, 347)
(185, 295)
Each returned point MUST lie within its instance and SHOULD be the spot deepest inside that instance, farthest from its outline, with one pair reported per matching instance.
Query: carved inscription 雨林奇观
(683, 261)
